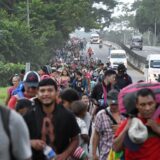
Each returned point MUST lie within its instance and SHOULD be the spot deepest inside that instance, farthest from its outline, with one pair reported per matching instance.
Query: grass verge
(3, 94)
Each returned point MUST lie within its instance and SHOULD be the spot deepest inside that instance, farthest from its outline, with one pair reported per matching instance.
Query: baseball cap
(31, 78)
(112, 97)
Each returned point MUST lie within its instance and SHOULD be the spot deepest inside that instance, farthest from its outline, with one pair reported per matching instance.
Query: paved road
(103, 53)
(147, 50)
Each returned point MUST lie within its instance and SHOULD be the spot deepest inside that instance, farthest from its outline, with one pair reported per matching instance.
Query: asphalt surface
(103, 53)
(147, 50)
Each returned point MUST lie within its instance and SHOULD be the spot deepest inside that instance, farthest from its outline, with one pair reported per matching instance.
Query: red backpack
(127, 96)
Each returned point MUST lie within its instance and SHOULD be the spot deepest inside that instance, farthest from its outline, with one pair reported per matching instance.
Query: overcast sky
(126, 1)
(117, 12)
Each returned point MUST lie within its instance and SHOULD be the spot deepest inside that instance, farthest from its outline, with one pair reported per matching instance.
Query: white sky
(117, 12)
(126, 1)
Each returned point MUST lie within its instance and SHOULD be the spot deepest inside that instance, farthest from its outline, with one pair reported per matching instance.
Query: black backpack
(5, 114)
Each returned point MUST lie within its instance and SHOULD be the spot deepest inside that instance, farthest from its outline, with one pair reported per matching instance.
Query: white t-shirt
(21, 148)
(84, 130)
(87, 120)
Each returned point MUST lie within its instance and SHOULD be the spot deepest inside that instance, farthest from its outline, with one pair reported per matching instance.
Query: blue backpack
(19, 90)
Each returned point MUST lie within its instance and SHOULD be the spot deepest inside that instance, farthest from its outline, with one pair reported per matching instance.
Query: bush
(8, 70)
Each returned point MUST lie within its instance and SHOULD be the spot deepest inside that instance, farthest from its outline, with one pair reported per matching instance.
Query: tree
(136, 5)
(147, 16)
(51, 21)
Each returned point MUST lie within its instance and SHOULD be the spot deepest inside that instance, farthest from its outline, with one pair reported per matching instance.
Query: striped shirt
(103, 125)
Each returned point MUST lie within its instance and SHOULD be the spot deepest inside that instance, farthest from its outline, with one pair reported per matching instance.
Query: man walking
(123, 79)
(51, 124)
(101, 90)
(133, 144)
(105, 126)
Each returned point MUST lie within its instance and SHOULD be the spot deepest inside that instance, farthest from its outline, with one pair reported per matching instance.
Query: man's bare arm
(118, 142)
(70, 150)
(95, 143)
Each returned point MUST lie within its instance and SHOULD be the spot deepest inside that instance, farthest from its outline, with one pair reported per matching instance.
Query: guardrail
(136, 61)
(112, 44)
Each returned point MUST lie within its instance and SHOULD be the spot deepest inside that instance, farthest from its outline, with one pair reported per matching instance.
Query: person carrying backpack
(106, 123)
(30, 81)
(100, 91)
(139, 137)
(123, 79)
(14, 136)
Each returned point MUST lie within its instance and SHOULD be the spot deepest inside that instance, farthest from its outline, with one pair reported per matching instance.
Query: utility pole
(28, 18)
(155, 32)
(124, 37)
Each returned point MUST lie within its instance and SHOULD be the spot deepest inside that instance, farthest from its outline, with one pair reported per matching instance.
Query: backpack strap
(5, 114)
(111, 117)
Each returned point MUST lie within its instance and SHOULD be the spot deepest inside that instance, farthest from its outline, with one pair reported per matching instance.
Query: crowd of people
(54, 112)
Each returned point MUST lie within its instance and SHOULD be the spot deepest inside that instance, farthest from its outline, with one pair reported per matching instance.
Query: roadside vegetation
(3, 93)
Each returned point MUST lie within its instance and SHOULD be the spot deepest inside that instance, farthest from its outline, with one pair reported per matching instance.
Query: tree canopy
(147, 16)
(51, 21)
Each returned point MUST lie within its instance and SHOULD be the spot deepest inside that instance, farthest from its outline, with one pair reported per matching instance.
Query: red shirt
(13, 101)
(150, 149)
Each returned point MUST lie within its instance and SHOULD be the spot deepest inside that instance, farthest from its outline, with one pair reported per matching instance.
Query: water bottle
(49, 153)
